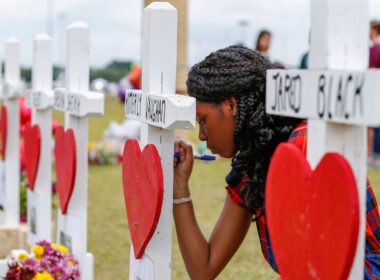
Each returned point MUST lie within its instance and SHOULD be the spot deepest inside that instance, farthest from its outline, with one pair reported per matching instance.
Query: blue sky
(115, 26)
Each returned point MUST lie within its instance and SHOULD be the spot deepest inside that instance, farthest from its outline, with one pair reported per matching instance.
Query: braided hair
(241, 72)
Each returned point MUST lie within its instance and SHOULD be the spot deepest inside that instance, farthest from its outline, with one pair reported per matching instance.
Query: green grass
(108, 235)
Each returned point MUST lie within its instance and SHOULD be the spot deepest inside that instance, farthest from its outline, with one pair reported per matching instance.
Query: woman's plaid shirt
(372, 247)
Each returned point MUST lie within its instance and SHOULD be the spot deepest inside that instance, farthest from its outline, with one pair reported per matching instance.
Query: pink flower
(60, 266)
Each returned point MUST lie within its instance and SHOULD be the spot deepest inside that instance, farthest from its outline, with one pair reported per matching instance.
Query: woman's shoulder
(298, 137)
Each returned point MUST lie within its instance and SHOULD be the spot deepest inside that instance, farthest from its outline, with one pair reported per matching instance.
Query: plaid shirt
(372, 247)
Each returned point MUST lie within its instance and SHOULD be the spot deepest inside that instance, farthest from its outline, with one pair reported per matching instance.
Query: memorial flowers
(48, 262)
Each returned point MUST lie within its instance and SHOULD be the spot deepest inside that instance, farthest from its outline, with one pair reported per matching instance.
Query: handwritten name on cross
(78, 103)
(41, 99)
(161, 111)
(12, 90)
(337, 97)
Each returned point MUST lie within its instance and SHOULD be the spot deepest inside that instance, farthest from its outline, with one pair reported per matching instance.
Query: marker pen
(201, 157)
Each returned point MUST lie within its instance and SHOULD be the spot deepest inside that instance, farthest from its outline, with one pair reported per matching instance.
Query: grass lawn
(108, 235)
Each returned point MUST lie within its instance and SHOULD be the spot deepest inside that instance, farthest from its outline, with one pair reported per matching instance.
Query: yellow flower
(43, 276)
(91, 145)
(73, 262)
(60, 248)
(38, 250)
(22, 257)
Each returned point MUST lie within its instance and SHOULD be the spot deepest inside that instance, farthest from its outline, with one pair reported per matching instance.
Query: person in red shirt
(229, 86)
(374, 62)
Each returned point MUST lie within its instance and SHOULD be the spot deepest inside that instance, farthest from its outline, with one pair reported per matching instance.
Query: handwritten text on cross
(336, 96)
(163, 110)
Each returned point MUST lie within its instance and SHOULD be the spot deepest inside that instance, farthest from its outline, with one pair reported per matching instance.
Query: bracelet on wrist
(182, 200)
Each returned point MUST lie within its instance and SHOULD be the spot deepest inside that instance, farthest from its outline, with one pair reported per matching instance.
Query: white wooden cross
(12, 90)
(161, 111)
(41, 99)
(337, 96)
(78, 103)
(2, 167)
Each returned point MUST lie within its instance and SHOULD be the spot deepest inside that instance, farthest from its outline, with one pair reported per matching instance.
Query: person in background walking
(263, 42)
(374, 62)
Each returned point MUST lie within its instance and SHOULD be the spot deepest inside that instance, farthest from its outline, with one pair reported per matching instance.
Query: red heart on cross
(65, 165)
(32, 141)
(3, 130)
(143, 186)
(312, 216)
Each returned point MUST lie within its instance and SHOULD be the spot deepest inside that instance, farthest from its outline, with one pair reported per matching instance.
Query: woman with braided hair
(229, 87)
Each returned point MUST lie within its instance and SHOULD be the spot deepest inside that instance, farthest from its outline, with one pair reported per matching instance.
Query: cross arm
(40, 99)
(349, 97)
(168, 111)
(12, 90)
(80, 104)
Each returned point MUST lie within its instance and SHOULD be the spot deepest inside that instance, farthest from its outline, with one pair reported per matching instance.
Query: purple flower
(54, 188)
(13, 272)
(27, 273)
(46, 245)
(60, 266)
(59, 273)
(31, 263)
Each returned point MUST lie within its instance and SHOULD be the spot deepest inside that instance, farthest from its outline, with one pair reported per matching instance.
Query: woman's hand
(183, 166)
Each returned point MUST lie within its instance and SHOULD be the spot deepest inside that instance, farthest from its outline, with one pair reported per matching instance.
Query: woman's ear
(232, 104)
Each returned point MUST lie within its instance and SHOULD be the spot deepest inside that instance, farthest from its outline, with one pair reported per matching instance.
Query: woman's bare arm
(204, 259)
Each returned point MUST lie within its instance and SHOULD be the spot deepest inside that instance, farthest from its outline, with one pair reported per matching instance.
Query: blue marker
(201, 157)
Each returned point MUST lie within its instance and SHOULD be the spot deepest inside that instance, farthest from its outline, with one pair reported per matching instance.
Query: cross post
(12, 90)
(78, 103)
(337, 96)
(41, 99)
(161, 111)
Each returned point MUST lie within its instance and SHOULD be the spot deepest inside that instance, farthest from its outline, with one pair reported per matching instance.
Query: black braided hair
(241, 72)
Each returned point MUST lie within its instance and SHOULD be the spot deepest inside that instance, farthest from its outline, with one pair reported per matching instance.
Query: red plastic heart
(312, 216)
(143, 186)
(32, 140)
(65, 165)
(3, 130)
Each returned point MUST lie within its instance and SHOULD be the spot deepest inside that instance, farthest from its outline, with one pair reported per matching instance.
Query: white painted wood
(3, 267)
(350, 97)
(12, 90)
(339, 41)
(72, 227)
(90, 266)
(85, 104)
(60, 99)
(159, 52)
(2, 190)
(2, 166)
(41, 99)
(168, 111)
(1, 78)
(345, 35)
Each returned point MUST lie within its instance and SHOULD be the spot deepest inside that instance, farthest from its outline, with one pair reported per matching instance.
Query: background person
(374, 62)
(263, 42)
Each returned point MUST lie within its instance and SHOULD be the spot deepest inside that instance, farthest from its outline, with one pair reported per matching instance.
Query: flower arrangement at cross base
(49, 262)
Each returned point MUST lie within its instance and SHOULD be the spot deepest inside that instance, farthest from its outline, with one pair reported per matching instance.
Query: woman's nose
(202, 135)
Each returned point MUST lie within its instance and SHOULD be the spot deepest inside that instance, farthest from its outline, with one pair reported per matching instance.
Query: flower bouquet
(49, 262)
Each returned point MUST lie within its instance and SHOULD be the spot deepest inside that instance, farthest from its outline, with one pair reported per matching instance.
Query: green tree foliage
(113, 72)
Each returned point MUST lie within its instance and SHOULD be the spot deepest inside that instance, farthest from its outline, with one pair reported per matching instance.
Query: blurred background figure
(305, 57)
(263, 42)
(374, 51)
(374, 62)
